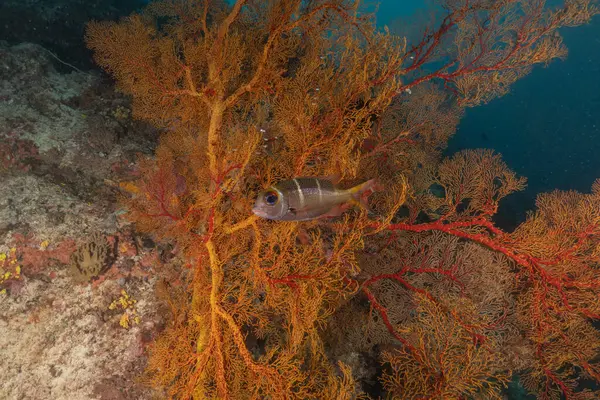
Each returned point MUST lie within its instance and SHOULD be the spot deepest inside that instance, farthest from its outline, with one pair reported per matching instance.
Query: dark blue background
(547, 128)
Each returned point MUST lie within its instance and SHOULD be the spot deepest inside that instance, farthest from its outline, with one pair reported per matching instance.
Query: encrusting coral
(260, 91)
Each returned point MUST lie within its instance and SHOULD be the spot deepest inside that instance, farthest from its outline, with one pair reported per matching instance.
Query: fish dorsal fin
(333, 178)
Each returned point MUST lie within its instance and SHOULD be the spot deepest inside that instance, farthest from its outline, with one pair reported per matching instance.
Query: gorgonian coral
(259, 91)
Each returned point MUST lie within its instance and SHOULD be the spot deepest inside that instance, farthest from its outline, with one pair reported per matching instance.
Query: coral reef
(451, 305)
(424, 298)
(59, 340)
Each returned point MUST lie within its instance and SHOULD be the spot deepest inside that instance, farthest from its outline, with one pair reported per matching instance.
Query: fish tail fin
(361, 192)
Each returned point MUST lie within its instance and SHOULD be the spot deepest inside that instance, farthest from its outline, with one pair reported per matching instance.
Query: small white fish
(308, 198)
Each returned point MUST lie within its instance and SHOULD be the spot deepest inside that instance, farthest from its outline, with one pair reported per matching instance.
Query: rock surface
(59, 339)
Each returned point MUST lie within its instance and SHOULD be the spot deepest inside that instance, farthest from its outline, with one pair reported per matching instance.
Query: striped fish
(302, 199)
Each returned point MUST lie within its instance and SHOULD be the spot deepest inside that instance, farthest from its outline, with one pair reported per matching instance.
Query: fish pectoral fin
(295, 211)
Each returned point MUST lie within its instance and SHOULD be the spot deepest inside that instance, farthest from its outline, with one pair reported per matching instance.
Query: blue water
(547, 128)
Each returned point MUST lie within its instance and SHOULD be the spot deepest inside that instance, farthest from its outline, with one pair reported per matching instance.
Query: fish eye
(271, 198)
